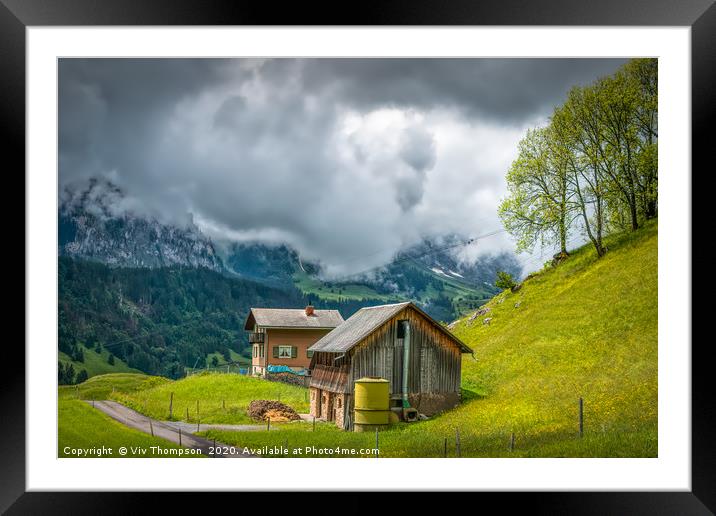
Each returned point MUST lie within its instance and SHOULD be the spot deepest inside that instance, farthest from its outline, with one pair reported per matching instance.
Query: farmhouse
(282, 336)
(399, 342)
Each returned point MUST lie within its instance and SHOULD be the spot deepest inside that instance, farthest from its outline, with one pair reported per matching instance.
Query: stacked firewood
(261, 410)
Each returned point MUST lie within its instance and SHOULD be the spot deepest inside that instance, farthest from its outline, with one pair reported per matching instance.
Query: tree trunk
(634, 214)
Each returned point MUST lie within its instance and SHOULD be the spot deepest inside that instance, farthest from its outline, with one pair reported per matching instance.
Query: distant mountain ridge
(88, 228)
(94, 225)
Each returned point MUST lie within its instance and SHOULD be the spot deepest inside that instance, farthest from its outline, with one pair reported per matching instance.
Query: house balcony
(256, 338)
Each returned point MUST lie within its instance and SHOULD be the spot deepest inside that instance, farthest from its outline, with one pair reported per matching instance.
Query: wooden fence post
(179, 436)
(581, 417)
(314, 423)
(223, 404)
(268, 424)
(197, 408)
(197, 425)
(445, 447)
(171, 401)
(187, 413)
(512, 441)
(457, 442)
(151, 428)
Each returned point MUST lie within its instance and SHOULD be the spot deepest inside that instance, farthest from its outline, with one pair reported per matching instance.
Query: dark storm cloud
(336, 156)
(509, 90)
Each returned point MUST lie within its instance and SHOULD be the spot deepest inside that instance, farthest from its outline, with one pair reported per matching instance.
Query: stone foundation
(339, 409)
(314, 396)
(431, 403)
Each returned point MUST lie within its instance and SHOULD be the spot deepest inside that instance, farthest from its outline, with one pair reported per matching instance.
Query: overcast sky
(348, 160)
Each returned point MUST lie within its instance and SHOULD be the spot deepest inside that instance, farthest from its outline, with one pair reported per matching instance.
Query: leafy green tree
(538, 208)
(504, 280)
(596, 162)
(81, 376)
(642, 75)
(214, 361)
(110, 359)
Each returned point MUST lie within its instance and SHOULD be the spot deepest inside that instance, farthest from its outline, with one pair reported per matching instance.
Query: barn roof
(292, 318)
(365, 321)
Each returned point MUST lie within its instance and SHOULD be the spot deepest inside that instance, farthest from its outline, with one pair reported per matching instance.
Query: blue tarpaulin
(284, 369)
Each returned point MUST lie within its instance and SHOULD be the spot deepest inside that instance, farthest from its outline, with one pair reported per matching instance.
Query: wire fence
(228, 368)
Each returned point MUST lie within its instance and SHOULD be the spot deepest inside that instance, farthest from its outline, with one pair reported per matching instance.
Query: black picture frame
(700, 15)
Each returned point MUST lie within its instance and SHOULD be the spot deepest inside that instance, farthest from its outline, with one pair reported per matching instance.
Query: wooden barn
(399, 342)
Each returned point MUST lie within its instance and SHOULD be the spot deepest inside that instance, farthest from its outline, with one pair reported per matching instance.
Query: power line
(415, 257)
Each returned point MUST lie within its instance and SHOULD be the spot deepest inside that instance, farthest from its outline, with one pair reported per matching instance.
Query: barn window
(339, 402)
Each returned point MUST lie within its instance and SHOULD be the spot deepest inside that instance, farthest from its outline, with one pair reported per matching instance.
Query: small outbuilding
(419, 357)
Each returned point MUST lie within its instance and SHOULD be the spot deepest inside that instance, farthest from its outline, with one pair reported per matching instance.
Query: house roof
(292, 318)
(367, 320)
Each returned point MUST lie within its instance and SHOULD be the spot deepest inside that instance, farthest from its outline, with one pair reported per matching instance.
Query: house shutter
(275, 351)
(294, 351)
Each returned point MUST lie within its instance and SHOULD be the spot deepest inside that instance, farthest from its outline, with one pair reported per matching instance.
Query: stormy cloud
(348, 160)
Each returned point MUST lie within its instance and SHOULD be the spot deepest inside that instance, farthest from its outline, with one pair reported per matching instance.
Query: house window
(339, 402)
(256, 351)
(287, 352)
(261, 350)
(309, 353)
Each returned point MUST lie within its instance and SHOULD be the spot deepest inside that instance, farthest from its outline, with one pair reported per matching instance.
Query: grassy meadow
(223, 398)
(83, 427)
(100, 387)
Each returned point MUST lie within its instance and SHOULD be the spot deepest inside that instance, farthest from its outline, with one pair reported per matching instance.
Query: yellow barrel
(372, 417)
(372, 393)
(371, 404)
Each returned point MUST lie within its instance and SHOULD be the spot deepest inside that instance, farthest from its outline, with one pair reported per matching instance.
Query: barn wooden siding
(334, 379)
(434, 367)
(435, 360)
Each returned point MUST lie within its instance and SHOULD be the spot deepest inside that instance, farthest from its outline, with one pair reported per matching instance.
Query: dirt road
(133, 419)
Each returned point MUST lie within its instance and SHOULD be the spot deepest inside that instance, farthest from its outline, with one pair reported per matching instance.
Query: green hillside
(587, 328)
(96, 363)
(99, 387)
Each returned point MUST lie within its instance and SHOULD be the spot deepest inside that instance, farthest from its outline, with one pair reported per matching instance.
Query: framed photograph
(421, 252)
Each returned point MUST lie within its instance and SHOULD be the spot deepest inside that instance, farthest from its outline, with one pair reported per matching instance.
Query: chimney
(309, 310)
